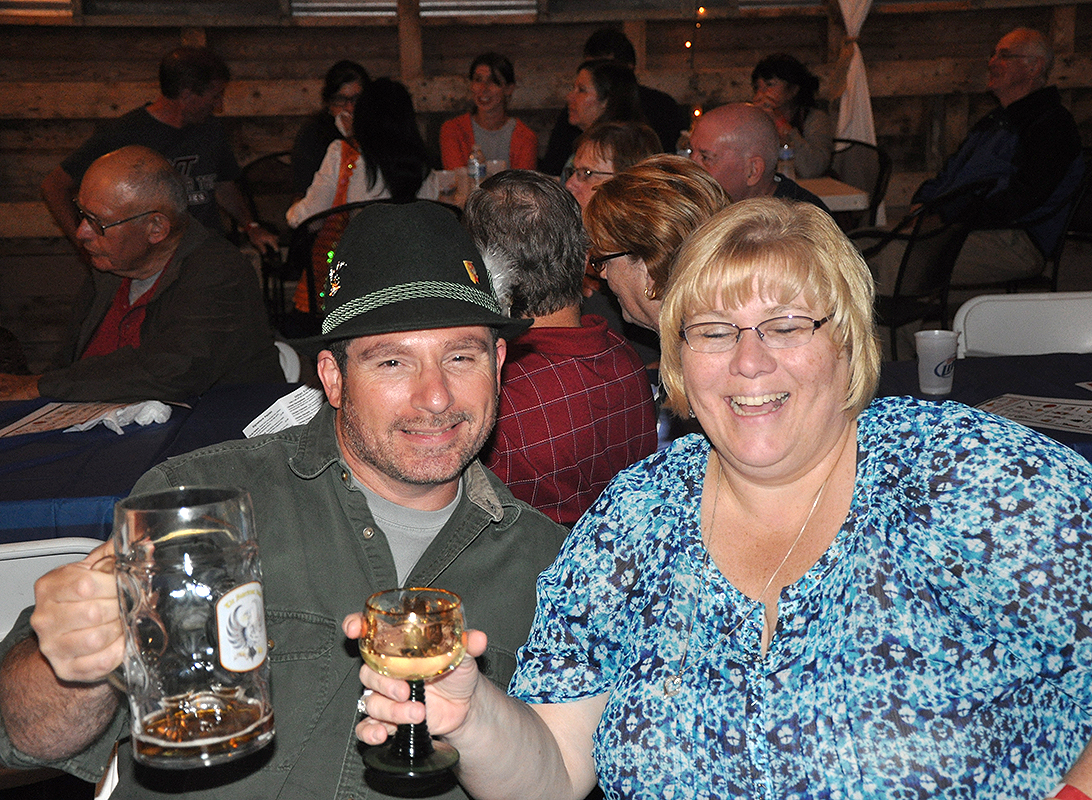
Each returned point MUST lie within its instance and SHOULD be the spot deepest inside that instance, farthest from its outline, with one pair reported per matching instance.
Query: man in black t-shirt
(180, 125)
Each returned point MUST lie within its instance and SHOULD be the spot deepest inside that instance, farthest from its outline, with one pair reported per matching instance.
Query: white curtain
(855, 110)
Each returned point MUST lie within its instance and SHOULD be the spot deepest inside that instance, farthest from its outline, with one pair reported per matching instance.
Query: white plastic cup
(936, 360)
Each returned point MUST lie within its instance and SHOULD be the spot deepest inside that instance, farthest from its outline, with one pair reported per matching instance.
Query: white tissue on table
(141, 413)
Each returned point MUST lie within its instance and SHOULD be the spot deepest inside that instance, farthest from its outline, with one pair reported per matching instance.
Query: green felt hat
(408, 267)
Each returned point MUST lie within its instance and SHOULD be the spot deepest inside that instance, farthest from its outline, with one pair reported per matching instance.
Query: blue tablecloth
(65, 484)
(976, 380)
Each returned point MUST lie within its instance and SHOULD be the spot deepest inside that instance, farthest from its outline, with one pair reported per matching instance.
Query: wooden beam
(410, 55)
(1063, 29)
(610, 13)
(836, 30)
(447, 93)
(23, 220)
(194, 37)
(96, 100)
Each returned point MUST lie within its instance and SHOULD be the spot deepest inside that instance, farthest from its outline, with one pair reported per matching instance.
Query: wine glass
(413, 634)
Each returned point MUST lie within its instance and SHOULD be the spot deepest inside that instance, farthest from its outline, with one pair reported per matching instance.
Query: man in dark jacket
(172, 308)
(737, 144)
(1031, 149)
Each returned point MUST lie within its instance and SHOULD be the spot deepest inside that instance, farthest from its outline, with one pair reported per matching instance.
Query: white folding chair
(1025, 324)
(22, 563)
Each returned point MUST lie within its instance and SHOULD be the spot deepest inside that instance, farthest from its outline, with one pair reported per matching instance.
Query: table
(978, 379)
(59, 484)
(837, 195)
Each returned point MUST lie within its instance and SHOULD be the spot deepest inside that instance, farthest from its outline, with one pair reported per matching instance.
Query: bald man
(738, 144)
(171, 310)
(1031, 148)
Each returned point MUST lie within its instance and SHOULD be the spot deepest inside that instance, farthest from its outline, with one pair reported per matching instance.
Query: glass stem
(412, 741)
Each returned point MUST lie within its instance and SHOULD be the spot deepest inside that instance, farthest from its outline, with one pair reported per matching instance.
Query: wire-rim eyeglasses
(778, 333)
(100, 227)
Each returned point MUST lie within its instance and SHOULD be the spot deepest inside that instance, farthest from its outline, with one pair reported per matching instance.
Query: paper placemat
(1053, 413)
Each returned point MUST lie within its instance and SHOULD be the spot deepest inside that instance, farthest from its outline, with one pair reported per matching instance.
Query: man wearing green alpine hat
(381, 489)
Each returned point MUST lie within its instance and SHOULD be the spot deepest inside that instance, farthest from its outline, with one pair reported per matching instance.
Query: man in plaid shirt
(576, 406)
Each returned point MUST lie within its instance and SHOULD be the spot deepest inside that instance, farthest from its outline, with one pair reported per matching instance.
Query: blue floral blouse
(940, 647)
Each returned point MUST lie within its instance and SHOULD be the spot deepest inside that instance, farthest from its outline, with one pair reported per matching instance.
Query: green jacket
(322, 555)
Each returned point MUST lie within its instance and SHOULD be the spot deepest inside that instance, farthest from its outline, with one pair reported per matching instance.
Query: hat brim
(406, 316)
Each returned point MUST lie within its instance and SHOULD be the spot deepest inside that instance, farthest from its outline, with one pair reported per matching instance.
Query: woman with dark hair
(385, 159)
(499, 136)
(343, 84)
(786, 89)
(603, 91)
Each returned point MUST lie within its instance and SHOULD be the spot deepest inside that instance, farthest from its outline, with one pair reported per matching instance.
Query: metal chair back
(866, 166)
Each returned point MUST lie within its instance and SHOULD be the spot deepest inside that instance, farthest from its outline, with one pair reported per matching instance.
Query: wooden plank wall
(926, 65)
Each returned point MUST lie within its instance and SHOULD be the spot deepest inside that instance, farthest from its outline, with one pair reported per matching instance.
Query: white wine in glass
(413, 634)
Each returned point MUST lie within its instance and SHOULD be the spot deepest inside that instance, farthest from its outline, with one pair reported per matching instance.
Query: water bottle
(785, 164)
(475, 167)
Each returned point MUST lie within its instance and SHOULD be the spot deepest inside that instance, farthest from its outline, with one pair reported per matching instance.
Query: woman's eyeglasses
(582, 174)
(777, 333)
(598, 262)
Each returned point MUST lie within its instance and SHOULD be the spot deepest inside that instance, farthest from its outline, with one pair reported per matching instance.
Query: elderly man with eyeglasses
(1029, 146)
(176, 308)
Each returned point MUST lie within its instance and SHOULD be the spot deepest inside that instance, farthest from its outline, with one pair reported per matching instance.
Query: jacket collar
(1031, 106)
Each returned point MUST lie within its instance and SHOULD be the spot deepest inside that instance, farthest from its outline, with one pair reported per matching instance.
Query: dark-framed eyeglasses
(582, 174)
(100, 227)
(598, 262)
(778, 333)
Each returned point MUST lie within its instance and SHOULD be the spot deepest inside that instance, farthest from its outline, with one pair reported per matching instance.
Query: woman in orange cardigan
(500, 137)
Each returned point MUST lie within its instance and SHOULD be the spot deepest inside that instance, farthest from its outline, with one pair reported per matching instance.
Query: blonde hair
(782, 250)
(649, 209)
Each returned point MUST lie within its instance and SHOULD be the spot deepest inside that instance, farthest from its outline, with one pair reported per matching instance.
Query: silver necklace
(673, 682)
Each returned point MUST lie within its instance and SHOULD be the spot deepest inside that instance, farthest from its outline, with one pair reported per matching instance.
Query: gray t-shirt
(494, 144)
(409, 531)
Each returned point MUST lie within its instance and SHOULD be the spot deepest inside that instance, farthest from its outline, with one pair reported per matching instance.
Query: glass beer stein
(190, 591)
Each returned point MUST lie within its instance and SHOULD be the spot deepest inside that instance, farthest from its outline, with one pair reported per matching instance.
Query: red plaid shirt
(576, 408)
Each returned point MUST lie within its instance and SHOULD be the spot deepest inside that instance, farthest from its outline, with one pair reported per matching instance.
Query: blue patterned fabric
(939, 648)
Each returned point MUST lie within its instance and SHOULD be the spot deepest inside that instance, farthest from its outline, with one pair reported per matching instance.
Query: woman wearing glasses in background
(603, 150)
(499, 136)
(637, 221)
(821, 597)
(341, 87)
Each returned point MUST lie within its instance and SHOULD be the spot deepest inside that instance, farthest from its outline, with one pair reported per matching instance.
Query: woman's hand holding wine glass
(447, 697)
